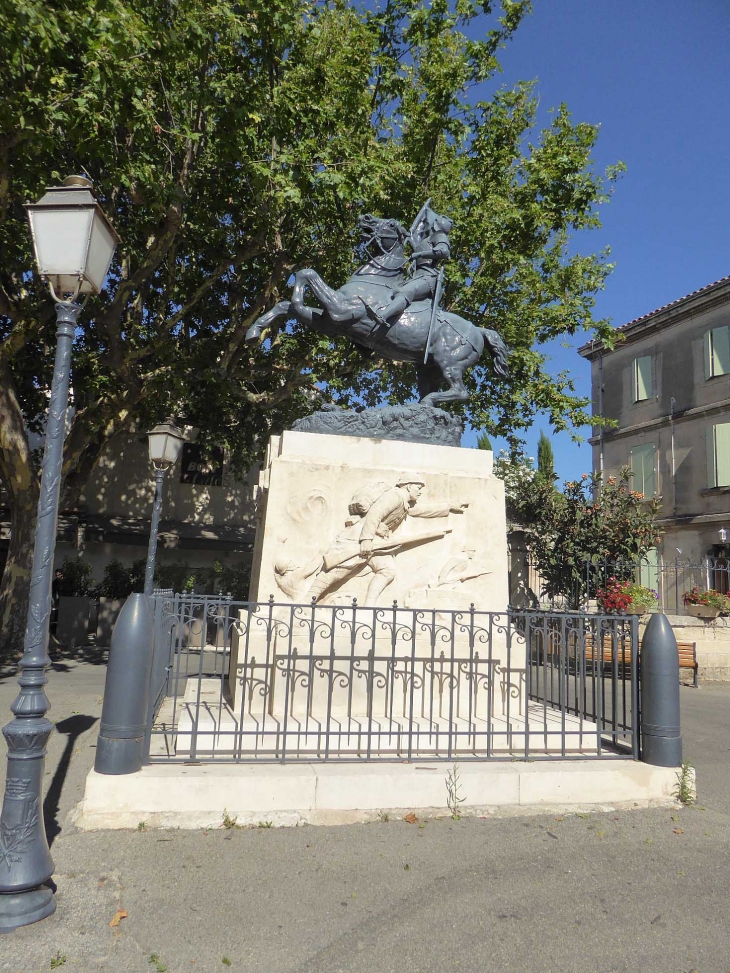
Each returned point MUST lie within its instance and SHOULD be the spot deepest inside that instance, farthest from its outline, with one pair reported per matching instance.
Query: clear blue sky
(656, 75)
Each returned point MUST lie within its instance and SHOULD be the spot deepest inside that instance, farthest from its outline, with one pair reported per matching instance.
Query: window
(717, 352)
(642, 378)
(718, 455)
(643, 468)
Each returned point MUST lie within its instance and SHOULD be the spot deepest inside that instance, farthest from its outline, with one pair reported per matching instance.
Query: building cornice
(701, 410)
(683, 309)
(691, 520)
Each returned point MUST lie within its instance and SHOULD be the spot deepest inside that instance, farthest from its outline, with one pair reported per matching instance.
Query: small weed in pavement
(228, 821)
(684, 789)
(154, 960)
(225, 961)
(142, 826)
(58, 960)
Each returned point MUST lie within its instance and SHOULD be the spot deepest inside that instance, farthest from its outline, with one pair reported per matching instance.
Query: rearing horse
(455, 345)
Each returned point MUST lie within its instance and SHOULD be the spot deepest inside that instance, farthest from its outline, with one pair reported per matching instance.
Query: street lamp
(165, 442)
(74, 244)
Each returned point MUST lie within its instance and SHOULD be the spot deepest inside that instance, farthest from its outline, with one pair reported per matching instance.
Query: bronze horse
(455, 343)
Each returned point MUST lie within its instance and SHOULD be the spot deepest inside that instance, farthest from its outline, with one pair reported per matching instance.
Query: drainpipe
(600, 410)
(672, 403)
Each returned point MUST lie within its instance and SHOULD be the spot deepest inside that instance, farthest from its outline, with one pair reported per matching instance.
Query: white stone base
(179, 796)
(201, 725)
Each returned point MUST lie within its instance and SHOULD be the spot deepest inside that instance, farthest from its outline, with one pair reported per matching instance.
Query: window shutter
(649, 569)
(642, 378)
(722, 453)
(649, 471)
(642, 465)
(720, 351)
(708, 354)
(711, 458)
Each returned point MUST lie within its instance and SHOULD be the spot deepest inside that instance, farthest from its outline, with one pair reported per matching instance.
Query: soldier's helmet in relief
(407, 478)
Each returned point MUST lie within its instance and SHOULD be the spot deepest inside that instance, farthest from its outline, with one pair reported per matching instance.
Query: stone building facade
(667, 386)
(207, 511)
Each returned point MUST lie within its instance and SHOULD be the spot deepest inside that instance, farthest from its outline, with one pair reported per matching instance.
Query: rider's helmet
(442, 224)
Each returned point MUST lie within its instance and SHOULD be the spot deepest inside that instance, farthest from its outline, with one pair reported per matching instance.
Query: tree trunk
(16, 576)
(22, 487)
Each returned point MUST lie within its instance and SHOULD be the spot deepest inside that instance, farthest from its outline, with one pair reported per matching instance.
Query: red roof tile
(679, 300)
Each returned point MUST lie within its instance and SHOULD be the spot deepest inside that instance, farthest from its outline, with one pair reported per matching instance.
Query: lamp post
(165, 442)
(74, 244)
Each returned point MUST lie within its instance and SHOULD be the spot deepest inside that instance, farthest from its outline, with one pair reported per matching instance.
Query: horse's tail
(498, 350)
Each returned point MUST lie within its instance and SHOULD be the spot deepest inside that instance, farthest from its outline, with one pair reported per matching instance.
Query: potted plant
(705, 604)
(626, 598)
(74, 605)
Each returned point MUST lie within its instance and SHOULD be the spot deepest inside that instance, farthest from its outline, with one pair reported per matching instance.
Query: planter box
(109, 608)
(703, 611)
(73, 620)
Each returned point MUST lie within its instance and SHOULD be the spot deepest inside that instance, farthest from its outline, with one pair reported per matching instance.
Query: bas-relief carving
(459, 569)
(369, 544)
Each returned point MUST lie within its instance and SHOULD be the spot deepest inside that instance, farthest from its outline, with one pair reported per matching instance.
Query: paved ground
(632, 891)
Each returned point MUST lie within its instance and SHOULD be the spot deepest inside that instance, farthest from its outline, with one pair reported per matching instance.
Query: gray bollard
(124, 713)
(660, 726)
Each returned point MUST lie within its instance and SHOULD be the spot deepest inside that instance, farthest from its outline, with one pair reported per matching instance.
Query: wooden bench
(687, 654)
(688, 658)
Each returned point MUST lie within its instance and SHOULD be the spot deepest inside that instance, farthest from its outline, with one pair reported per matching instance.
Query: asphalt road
(639, 890)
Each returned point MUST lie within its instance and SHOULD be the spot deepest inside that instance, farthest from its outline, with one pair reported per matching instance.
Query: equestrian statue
(393, 310)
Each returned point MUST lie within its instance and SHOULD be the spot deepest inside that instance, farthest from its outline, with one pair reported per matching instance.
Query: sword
(434, 309)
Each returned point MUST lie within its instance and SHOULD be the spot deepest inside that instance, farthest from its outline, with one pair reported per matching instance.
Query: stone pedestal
(435, 516)
(305, 491)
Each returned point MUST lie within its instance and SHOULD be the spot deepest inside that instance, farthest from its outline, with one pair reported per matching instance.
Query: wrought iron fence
(670, 578)
(238, 681)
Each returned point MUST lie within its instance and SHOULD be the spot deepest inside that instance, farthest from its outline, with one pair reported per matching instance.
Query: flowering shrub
(588, 523)
(626, 597)
(516, 472)
(711, 598)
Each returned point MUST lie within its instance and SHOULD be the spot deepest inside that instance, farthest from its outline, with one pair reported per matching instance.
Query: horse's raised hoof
(252, 335)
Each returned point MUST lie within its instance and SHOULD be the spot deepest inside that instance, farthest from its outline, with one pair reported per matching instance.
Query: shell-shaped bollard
(120, 749)
(661, 736)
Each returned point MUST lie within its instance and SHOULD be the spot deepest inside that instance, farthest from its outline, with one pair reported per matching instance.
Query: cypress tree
(545, 459)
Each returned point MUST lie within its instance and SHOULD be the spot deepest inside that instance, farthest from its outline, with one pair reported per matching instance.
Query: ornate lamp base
(23, 908)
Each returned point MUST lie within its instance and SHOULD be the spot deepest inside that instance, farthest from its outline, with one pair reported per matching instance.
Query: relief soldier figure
(368, 543)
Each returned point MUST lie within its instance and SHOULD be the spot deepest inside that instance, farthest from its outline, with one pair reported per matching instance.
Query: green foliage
(545, 459)
(77, 577)
(233, 143)
(589, 521)
(483, 441)
(119, 581)
(218, 578)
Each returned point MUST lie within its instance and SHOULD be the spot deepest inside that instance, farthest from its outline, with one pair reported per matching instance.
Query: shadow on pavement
(72, 727)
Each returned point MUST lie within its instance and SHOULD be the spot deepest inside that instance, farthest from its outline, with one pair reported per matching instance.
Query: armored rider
(430, 245)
